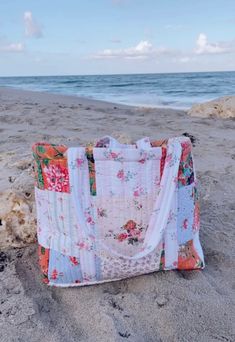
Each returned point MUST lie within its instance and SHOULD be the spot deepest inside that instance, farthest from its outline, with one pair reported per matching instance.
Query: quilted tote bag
(112, 211)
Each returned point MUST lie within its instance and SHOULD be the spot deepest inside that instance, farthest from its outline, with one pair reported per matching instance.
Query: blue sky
(60, 37)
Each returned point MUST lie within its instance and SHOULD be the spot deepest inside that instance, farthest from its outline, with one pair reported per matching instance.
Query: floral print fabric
(106, 180)
(51, 169)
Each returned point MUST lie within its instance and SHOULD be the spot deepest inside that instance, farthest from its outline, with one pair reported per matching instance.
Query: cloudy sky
(60, 37)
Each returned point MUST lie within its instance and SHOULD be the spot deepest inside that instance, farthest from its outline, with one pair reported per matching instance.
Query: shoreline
(179, 91)
(96, 101)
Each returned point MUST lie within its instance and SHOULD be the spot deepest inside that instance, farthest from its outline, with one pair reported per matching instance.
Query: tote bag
(112, 211)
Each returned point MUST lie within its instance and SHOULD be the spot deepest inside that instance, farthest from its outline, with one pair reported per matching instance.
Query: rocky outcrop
(17, 220)
(17, 209)
(223, 107)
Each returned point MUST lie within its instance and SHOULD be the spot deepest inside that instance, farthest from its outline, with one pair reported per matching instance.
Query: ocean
(172, 90)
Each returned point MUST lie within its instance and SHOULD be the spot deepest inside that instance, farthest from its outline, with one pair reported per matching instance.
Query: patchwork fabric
(118, 267)
(186, 170)
(111, 211)
(43, 256)
(51, 168)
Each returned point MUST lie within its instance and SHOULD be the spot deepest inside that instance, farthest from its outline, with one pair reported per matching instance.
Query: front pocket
(122, 222)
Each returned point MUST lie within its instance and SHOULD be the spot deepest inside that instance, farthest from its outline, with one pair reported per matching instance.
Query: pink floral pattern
(138, 205)
(80, 162)
(101, 212)
(125, 176)
(57, 178)
(146, 155)
(89, 216)
(74, 261)
(132, 233)
(111, 155)
(139, 191)
(55, 274)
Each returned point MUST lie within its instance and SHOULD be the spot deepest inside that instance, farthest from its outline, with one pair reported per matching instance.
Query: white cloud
(204, 47)
(32, 28)
(146, 50)
(143, 50)
(13, 47)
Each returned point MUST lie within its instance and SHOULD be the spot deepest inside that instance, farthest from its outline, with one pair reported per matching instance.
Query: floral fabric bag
(112, 211)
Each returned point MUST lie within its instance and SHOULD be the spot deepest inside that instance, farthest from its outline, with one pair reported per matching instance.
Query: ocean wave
(167, 90)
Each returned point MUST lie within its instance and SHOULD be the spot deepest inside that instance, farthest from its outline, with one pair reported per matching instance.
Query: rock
(223, 107)
(17, 220)
(17, 207)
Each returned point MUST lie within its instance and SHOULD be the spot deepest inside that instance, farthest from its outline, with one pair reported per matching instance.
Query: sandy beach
(164, 306)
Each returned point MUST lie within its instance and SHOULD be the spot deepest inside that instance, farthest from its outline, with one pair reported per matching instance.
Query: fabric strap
(80, 193)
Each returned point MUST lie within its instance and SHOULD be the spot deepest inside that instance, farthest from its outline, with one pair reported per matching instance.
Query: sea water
(172, 90)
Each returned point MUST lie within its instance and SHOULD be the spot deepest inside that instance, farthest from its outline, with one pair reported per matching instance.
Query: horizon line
(124, 74)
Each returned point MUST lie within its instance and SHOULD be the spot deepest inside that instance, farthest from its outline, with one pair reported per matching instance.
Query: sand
(164, 306)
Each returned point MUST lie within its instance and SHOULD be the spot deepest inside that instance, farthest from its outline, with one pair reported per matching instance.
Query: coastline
(192, 305)
(171, 90)
(87, 100)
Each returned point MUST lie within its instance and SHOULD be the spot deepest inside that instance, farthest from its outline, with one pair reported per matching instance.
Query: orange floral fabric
(43, 255)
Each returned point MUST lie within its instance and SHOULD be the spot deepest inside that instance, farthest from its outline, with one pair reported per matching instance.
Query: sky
(77, 37)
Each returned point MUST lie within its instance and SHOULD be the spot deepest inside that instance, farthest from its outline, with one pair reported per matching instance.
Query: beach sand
(164, 306)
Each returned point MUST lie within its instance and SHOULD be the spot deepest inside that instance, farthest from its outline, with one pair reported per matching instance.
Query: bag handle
(110, 142)
(162, 207)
